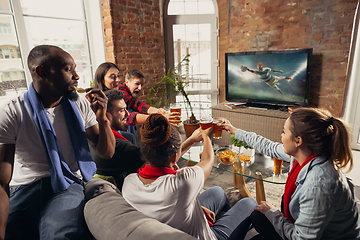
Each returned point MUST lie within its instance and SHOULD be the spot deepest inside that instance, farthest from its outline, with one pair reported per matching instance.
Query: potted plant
(172, 84)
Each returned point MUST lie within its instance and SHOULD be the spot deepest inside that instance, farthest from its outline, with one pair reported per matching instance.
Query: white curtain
(351, 111)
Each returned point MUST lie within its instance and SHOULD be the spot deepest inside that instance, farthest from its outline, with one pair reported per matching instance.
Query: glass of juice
(218, 129)
(175, 107)
(205, 122)
(277, 166)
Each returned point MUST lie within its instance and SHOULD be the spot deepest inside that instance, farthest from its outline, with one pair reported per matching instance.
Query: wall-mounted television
(270, 79)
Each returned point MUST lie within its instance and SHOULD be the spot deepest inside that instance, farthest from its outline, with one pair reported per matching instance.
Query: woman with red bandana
(319, 201)
(171, 195)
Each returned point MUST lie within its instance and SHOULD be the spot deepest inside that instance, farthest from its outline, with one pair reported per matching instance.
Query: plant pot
(181, 129)
(190, 127)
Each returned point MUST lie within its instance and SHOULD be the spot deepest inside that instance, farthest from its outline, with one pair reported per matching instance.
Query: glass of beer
(277, 166)
(205, 122)
(218, 129)
(175, 107)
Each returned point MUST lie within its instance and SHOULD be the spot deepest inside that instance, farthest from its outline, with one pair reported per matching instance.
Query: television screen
(276, 78)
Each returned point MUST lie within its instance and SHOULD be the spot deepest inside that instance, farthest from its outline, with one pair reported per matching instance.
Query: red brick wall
(108, 31)
(133, 37)
(324, 26)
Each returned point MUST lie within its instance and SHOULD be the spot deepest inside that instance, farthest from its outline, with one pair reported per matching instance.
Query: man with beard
(127, 157)
(44, 150)
(134, 80)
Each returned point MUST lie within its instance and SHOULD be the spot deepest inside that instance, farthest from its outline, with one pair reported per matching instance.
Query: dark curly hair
(160, 141)
(113, 95)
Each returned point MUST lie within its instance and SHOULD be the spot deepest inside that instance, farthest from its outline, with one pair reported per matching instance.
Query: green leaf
(174, 82)
(238, 143)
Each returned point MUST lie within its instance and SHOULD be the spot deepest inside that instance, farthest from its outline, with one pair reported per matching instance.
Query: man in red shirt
(134, 80)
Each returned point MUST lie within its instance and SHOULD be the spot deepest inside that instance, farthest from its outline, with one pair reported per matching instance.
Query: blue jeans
(37, 213)
(215, 199)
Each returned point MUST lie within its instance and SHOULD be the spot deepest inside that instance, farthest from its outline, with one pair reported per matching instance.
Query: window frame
(212, 19)
(94, 30)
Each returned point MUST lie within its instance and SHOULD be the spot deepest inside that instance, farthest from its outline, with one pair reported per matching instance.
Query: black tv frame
(270, 103)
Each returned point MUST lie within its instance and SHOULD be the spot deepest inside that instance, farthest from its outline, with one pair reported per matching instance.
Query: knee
(251, 203)
(245, 206)
(216, 190)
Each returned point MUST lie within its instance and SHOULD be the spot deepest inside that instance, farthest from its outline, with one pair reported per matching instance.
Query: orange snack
(245, 158)
(80, 90)
(227, 156)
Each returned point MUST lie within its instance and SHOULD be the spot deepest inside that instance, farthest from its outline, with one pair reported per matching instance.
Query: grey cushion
(109, 216)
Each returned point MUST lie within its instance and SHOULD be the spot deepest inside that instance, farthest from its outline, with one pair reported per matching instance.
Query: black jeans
(263, 226)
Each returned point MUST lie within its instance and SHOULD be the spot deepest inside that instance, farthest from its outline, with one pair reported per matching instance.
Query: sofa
(110, 217)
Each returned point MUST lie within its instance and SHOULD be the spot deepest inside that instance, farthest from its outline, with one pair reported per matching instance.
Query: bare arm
(207, 156)
(100, 135)
(227, 126)
(152, 110)
(140, 118)
(7, 152)
(196, 136)
(245, 68)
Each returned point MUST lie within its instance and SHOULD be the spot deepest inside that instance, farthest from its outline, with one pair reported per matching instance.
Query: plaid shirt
(131, 102)
(131, 119)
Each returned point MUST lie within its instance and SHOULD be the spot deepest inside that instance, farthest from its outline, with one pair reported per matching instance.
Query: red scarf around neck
(118, 135)
(290, 185)
(155, 172)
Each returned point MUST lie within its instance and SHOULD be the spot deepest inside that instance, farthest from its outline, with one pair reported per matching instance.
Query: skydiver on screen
(265, 76)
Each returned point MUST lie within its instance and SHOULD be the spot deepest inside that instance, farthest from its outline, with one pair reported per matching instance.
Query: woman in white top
(163, 191)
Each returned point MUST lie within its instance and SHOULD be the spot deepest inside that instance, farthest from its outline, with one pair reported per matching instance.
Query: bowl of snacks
(226, 155)
(244, 158)
(247, 156)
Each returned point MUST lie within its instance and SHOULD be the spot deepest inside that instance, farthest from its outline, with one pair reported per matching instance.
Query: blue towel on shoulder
(61, 176)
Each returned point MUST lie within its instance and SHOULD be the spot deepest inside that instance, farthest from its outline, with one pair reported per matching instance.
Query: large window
(74, 25)
(191, 28)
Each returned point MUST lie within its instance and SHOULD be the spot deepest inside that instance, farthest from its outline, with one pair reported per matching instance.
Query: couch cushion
(98, 186)
(109, 216)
